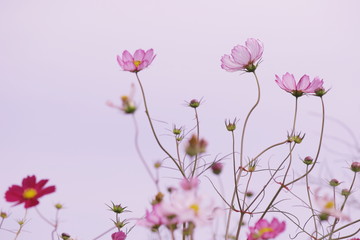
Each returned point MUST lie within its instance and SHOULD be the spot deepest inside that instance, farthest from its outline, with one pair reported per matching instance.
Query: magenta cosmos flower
(118, 236)
(243, 58)
(288, 83)
(136, 62)
(29, 192)
(265, 230)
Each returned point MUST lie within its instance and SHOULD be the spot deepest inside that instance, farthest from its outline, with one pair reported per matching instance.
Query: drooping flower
(243, 58)
(29, 192)
(137, 62)
(288, 83)
(118, 236)
(265, 230)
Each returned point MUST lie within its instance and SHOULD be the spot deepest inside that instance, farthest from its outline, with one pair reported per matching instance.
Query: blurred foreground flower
(118, 236)
(328, 206)
(137, 62)
(243, 58)
(265, 230)
(288, 83)
(29, 192)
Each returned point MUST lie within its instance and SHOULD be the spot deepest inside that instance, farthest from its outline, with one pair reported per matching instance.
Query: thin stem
(242, 150)
(153, 129)
(310, 203)
(197, 136)
(21, 225)
(44, 218)
(138, 150)
(104, 233)
(336, 220)
(319, 146)
(55, 225)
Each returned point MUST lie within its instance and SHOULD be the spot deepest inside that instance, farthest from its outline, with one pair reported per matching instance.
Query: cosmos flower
(137, 62)
(243, 58)
(118, 236)
(288, 83)
(29, 192)
(328, 206)
(265, 230)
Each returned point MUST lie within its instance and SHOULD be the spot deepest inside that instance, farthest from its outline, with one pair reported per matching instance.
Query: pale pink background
(58, 68)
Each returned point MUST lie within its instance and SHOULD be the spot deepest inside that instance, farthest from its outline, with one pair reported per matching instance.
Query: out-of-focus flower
(217, 167)
(328, 207)
(118, 236)
(265, 230)
(355, 167)
(127, 103)
(136, 62)
(29, 192)
(195, 146)
(243, 58)
(189, 184)
(152, 219)
(288, 83)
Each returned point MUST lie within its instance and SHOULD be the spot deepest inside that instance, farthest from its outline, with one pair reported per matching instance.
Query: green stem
(197, 136)
(153, 129)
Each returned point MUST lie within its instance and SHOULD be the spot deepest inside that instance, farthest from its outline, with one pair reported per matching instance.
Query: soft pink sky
(58, 68)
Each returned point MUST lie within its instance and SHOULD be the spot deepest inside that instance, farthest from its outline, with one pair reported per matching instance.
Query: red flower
(29, 192)
(118, 235)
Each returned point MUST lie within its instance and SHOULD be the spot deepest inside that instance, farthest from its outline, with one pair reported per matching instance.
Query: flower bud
(65, 236)
(217, 168)
(249, 194)
(127, 105)
(195, 146)
(230, 126)
(157, 165)
(117, 208)
(177, 131)
(308, 160)
(296, 138)
(323, 216)
(194, 103)
(345, 192)
(158, 198)
(3, 215)
(334, 182)
(355, 167)
(58, 206)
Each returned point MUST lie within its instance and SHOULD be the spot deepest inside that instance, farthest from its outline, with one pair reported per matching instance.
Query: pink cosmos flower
(118, 236)
(328, 207)
(152, 219)
(189, 184)
(136, 62)
(265, 230)
(288, 83)
(29, 192)
(243, 58)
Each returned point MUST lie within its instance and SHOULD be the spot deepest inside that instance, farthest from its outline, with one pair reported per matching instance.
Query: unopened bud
(334, 182)
(230, 126)
(308, 160)
(194, 103)
(217, 168)
(323, 216)
(355, 167)
(58, 206)
(3, 215)
(345, 192)
(65, 236)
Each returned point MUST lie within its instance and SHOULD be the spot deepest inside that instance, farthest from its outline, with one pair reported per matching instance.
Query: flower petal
(303, 84)
(139, 55)
(288, 81)
(255, 47)
(127, 57)
(241, 55)
(228, 64)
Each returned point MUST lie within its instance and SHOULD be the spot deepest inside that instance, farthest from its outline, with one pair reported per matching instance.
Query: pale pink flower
(265, 230)
(189, 184)
(327, 206)
(136, 62)
(153, 219)
(243, 58)
(118, 236)
(288, 83)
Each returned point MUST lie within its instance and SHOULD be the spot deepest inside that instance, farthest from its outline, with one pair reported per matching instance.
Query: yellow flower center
(195, 207)
(29, 193)
(265, 230)
(137, 63)
(329, 205)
